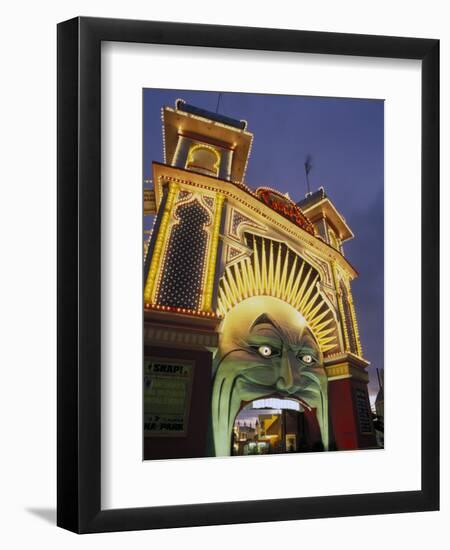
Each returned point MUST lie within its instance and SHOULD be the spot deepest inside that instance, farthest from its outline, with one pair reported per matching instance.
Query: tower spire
(308, 166)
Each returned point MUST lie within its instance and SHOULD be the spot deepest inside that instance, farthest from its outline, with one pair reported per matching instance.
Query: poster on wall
(167, 390)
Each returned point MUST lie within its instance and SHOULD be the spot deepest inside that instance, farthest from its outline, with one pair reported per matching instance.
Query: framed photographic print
(247, 275)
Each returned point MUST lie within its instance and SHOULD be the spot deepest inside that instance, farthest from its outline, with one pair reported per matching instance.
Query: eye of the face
(265, 351)
(307, 358)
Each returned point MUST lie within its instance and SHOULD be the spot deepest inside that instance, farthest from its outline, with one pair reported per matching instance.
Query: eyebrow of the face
(310, 348)
(264, 319)
(309, 343)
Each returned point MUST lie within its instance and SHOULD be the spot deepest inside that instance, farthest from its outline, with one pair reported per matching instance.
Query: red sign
(284, 206)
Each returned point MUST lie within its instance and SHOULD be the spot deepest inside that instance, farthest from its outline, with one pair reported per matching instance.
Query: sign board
(167, 393)
(362, 409)
(285, 206)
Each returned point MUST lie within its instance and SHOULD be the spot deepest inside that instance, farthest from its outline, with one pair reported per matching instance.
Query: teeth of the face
(273, 403)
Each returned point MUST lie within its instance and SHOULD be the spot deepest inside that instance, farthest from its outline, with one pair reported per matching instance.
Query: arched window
(181, 282)
(334, 241)
(204, 159)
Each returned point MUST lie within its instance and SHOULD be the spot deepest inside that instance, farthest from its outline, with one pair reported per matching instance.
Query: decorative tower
(203, 154)
(346, 368)
(206, 144)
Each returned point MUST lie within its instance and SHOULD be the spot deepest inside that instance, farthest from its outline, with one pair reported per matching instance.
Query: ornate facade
(216, 243)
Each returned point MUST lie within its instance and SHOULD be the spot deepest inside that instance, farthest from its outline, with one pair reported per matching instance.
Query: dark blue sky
(346, 140)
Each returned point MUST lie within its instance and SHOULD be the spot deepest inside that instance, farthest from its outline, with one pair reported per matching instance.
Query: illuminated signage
(284, 206)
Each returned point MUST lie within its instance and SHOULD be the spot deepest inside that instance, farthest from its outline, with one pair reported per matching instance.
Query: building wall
(195, 443)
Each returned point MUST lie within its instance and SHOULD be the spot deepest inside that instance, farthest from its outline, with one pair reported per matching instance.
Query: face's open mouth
(275, 423)
(248, 411)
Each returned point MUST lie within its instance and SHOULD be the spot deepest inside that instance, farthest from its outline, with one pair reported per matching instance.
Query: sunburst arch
(273, 269)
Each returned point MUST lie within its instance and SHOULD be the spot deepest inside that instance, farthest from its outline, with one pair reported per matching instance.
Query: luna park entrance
(273, 426)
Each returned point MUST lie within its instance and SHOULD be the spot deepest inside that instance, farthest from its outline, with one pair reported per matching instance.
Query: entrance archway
(274, 426)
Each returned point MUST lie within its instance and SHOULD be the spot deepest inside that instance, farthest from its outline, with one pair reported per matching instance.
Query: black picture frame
(79, 280)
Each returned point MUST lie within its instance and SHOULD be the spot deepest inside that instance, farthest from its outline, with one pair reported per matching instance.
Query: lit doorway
(272, 426)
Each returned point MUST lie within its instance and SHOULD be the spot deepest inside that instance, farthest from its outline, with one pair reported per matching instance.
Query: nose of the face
(285, 380)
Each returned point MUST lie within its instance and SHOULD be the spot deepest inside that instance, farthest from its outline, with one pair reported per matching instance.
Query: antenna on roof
(218, 102)
(308, 166)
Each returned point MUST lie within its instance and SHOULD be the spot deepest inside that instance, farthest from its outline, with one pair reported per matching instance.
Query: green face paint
(266, 349)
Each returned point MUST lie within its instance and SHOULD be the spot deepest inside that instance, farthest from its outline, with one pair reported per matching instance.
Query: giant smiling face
(266, 349)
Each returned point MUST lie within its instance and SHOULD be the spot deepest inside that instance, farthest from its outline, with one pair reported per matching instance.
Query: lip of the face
(262, 391)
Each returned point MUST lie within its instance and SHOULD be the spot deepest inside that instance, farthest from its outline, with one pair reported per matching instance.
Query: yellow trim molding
(341, 307)
(354, 321)
(149, 288)
(212, 254)
(345, 370)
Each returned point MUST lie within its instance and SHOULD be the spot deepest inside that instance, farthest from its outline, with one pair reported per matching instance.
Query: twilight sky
(346, 140)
